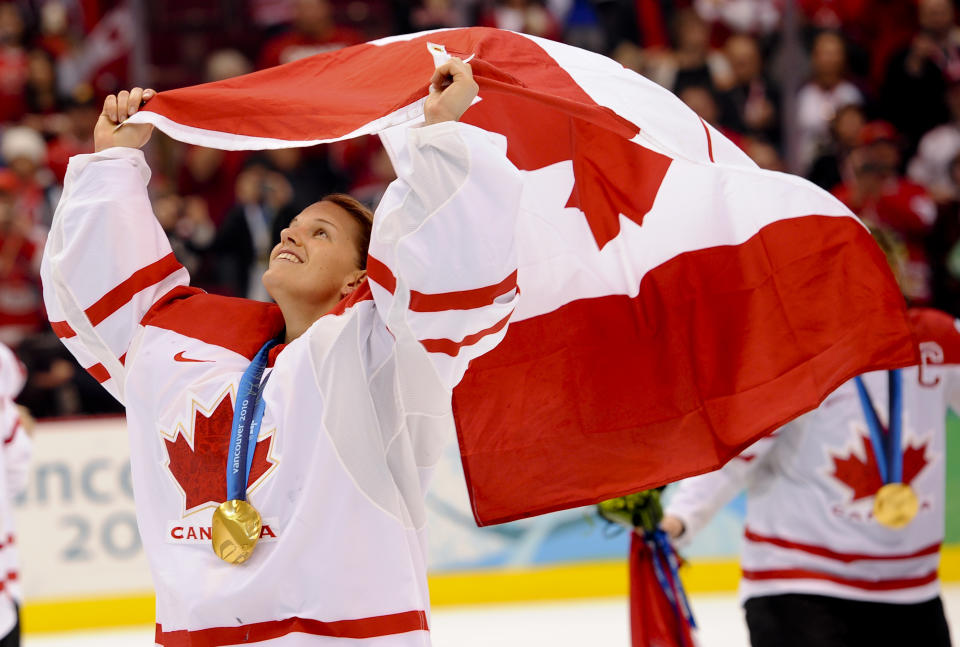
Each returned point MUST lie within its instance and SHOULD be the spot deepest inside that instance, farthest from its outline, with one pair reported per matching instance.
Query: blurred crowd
(860, 96)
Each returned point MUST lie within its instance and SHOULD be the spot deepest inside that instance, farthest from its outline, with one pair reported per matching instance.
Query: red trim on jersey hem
(452, 348)
(442, 301)
(387, 625)
(62, 329)
(139, 280)
(822, 551)
(866, 585)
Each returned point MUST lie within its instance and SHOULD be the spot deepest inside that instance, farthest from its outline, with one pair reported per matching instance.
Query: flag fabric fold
(677, 301)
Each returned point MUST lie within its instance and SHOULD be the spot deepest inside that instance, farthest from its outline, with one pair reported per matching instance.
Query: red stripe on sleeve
(13, 432)
(139, 280)
(381, 274)
(866, 585)
(462, 300)
(99, 373)
(395, 623)
(452, 348)
(62, 329)
(823, 551)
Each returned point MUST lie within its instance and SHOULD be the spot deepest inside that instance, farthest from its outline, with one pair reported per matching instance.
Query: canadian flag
(677, 301)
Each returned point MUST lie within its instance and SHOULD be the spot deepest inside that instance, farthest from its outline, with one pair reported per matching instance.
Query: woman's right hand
(116, 109)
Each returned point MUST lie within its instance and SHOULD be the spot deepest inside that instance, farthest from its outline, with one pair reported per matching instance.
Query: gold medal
(236, 531)
(895, 505)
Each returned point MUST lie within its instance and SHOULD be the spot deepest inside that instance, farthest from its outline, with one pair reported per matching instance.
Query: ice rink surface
(557, 624)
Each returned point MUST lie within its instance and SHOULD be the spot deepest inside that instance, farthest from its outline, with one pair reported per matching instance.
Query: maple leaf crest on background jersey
(198, 462)
(863, 477)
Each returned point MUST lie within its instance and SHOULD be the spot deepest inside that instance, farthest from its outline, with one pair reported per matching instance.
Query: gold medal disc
(236, 530)
(895, 505)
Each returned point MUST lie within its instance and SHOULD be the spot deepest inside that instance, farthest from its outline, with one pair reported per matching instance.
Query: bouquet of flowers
(660, 615)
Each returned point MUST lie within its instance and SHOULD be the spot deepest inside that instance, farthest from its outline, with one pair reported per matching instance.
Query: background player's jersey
(15, 450)
(811, 485)
(357, 408)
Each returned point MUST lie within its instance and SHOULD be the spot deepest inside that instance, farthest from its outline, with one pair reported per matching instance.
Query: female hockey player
(280, 452)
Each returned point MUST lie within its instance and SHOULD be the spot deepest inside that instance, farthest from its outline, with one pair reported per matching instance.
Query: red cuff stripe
(13, 432)
(62, 329)
(396, 623)
(99, 373)
(452, 348)
(462, 300)
(822, 551)
(381, 274)
(139, 280)
(866, 585)
(438, 302)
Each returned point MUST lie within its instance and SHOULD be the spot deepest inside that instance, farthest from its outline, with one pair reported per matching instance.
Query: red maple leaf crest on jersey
(864, 477)
(200, 467)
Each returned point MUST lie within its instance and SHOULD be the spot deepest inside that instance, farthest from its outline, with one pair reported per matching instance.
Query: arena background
(860, 96)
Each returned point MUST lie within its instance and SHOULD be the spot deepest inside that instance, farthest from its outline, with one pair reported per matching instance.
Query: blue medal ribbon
(886, 441)
(247, 414)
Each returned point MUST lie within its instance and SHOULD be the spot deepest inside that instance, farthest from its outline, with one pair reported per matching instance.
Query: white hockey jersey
(357, 408)
(15, 450)
(810, 488)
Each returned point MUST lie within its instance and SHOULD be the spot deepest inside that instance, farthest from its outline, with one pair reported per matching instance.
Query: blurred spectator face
(764, 155)
(40, 69)
(935, 17)
(847, 124)
(312, 17)
(744, 56)
(880, 153)
(53, 18)
(11, 24)
(701, 101)
(828, 59)
(226, 64)
(692, 33)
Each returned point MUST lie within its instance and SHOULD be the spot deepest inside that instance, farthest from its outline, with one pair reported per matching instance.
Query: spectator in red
(931, 165)
(24, 152)
(916, 76)
(877, 193)
(944, 247)
(313, 31)
(14, 63)
(750, 106)
(21, 305)
(76, 136)
(821, 97)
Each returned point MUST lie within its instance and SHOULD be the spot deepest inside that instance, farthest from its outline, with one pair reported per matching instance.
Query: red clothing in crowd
(294, 45)
(13, 79)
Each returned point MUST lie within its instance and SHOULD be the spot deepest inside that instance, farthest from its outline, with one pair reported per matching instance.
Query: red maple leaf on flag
(200, 467)
(612, 175)
(864, 477)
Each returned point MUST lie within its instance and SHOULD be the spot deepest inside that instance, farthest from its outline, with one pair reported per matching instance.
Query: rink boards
(82, 564)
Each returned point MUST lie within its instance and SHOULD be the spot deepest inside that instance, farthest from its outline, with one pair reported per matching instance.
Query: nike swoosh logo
(180, 358)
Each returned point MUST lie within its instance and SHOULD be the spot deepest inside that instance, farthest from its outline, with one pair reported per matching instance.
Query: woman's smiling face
(317, 258)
